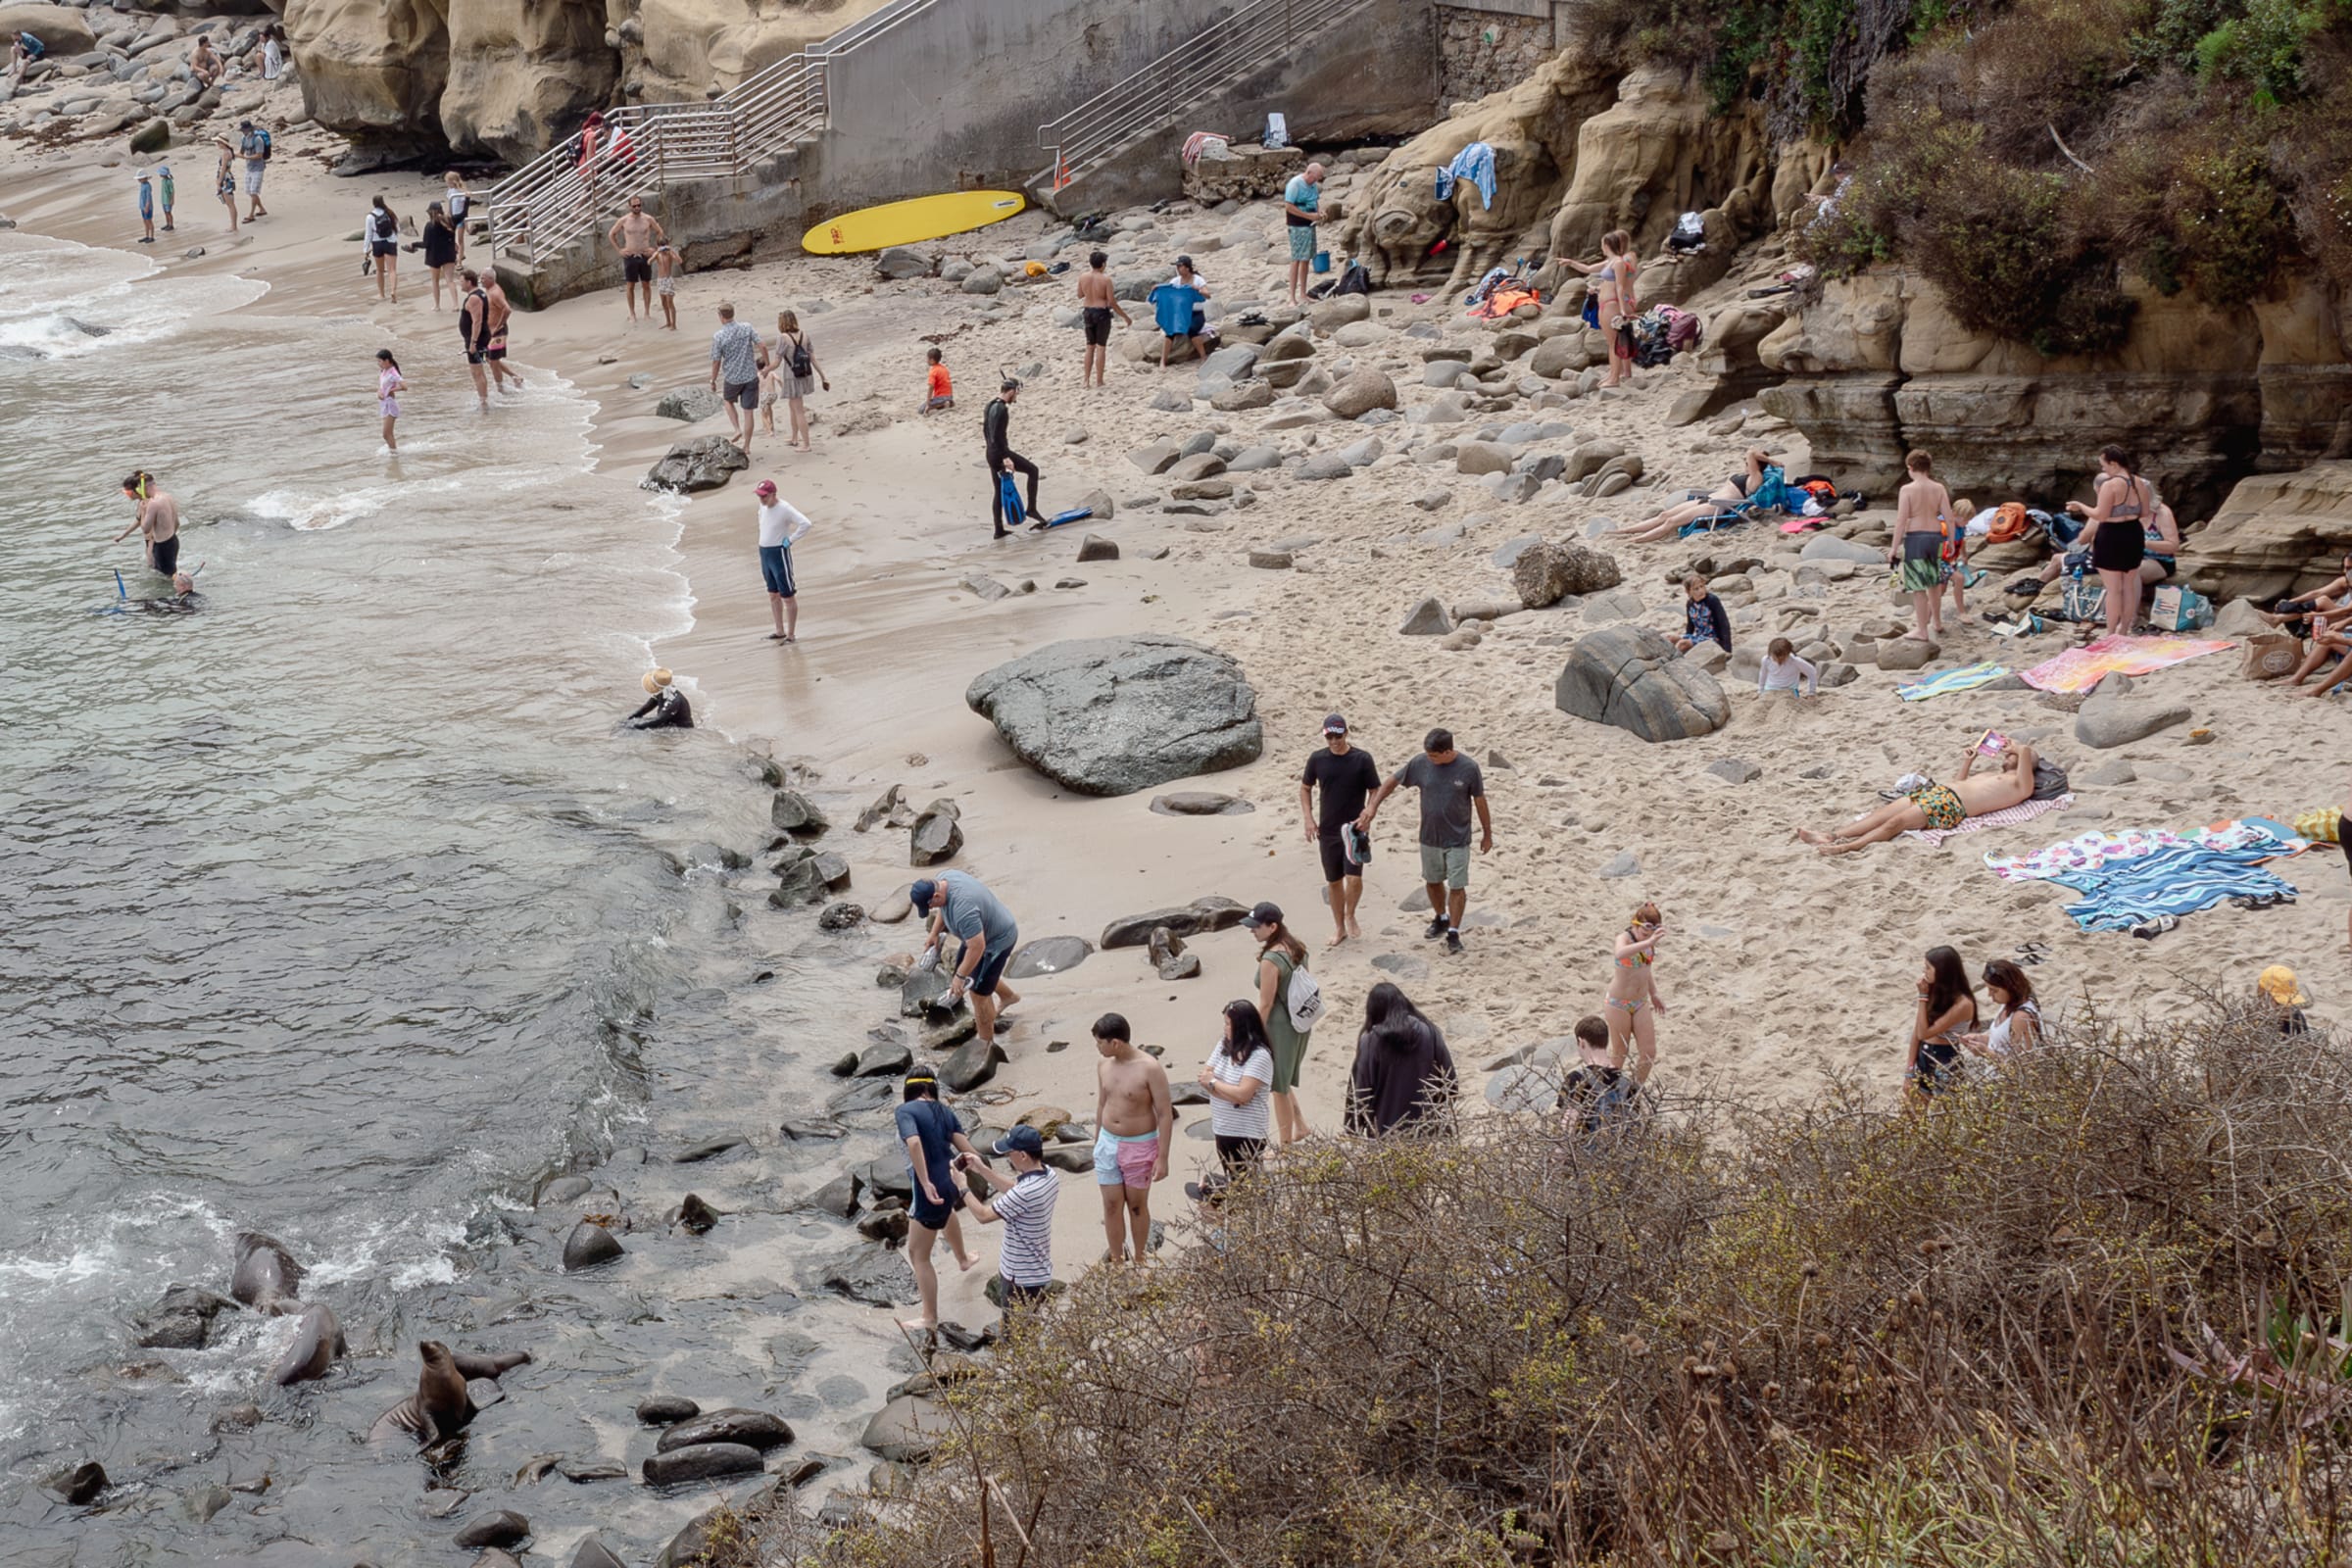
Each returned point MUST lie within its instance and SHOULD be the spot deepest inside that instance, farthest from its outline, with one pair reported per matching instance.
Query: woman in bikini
(1617, 292)
(2118, 541)
(1946, 1009)
(1698, 504)
(1633, 1006)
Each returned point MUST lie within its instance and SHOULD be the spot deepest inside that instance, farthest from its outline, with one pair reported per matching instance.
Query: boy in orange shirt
(942, 394)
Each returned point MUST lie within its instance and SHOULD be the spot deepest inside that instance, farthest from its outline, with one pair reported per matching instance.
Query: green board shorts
(1450, 864)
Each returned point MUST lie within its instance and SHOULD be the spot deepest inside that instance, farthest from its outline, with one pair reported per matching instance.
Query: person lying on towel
(1926, 803)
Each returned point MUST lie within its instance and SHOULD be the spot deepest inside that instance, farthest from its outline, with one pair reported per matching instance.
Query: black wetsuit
(669, 710)
(995, 430)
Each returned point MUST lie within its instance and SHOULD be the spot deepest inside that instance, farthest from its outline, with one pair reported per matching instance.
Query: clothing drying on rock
(1475, 163)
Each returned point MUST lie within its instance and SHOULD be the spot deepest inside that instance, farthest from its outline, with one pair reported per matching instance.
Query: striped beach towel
(1952, 680)
(1976, 824)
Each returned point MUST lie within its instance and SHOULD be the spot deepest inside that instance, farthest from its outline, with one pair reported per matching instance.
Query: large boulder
(704, 463)
(1547, 573)
(524, 72)
(675, 51)
(372, 69)
(2277, 533)
(1363, 391)
(1631, 676)
(62, 29)
(1110, 715)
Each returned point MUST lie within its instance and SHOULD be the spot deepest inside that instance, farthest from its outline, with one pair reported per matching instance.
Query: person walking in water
(781, 525)
(383, 248)
(502, 315)
(388, 387)
(157, 521)
(996, 431)
(1097, 303)
(1633, 1008)
(474, 331)
(1134, 1123)
(634, 234)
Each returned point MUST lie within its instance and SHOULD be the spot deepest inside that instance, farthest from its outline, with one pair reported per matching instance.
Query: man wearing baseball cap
(780, 525)
(1348, 777)
(955, 901)
(1024, 1201)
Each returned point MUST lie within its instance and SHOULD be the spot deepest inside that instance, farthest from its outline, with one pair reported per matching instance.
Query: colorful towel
(1475, 163)
(2129, 877)
(2078, 669)
(1952, 680)
(2093, 851)
(1933, 836)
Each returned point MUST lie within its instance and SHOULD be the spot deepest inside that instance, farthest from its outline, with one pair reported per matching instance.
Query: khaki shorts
(1447, 864)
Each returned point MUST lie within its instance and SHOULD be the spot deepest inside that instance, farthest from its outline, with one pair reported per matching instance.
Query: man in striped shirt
(1024, 1201)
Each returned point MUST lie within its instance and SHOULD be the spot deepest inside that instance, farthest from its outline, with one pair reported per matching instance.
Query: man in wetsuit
(994, 429)
(665, 706)
(183, 599)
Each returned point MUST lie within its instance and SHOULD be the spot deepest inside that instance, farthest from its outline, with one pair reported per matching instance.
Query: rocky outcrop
(2277, 533)
(1631, 677)
(1657, 152)
(523, 73)
(683, 51)
(62, 29)
(372, 69)
(1110, 715)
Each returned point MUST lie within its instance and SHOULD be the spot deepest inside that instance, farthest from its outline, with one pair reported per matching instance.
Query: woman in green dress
(1280, 957)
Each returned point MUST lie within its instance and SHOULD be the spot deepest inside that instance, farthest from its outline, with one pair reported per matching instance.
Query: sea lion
(267, 1278)
(492, 1367)
(438, 1409)
(317, 1342)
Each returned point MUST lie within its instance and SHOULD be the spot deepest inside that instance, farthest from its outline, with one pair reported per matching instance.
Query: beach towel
(1503, 302)
(1952, 680)
(2091, 851)
(2078, 669)
(2136, 875)
(1172, 309)
(1475, 163)
(1199, 142)
(1931, 836)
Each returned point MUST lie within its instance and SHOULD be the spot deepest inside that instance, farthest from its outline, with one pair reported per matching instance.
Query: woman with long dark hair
(441, 254)
(1947, 1008)
(1241, 1110)
(382, 238)
(1280, 957)
(1404, 1077)
(2017, 1021)
(2119, 540)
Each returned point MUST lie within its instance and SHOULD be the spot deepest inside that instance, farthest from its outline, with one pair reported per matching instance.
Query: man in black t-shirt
(1347, 778)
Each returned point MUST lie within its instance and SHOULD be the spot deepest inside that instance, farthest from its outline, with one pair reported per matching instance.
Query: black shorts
(933, 1218)
(1334, 850)
(381, 247)
(743, 394)
(165, 553)
(992, 968)
(1025, 1296)
(473, 356)
(1238, 1154)
(2164, 563)
(1098, 326)
(2344, 830)
(636, 270)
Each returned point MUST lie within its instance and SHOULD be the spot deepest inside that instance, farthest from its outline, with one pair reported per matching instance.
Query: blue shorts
(935, 1218)
(992, 968)
(776, 568)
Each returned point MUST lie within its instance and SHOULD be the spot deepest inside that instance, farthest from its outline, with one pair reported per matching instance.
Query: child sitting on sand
(940, 391)
(1704, 619)
(1783, 671)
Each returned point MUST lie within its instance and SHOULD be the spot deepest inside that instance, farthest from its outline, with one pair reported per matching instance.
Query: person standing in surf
(388, 387)
(474, 331)
(157, 521)
(501, 315)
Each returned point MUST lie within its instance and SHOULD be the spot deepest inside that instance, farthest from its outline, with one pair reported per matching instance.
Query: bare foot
(1806, 835)
(968, 1264)
(1337, 939)
(916, 1325)
(1917, 637)
(1353, 929)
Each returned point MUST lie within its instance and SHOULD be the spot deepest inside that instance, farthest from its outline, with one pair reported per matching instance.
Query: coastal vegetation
(2093, 1311)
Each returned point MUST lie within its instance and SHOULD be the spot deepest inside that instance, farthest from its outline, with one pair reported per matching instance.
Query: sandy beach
(1780, 969)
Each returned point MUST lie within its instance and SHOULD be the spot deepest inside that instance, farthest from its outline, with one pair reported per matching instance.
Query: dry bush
(2090, 1313)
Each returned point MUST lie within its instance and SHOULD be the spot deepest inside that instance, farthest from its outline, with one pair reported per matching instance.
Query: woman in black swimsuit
(2118, 542)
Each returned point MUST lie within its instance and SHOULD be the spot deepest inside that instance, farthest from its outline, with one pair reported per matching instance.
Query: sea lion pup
(318, 1343)
(265, 1278)
(492, 1367)
(438, 1408)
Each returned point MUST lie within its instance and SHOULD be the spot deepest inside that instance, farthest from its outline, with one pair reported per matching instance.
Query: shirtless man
(1134, 1123)
(1097, 303)
(157, 521)
(634, 234)
(1918, 549)
(501, 312)
(204, 65)
(1927, 804)
(473, 332)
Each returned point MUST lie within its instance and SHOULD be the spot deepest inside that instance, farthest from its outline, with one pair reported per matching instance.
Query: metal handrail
(1212, 59)
(548, 203)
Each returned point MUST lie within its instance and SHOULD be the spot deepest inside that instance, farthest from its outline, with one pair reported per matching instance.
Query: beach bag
(2323, 826)
(2271, 654)
(1307, 1000)
(2084, 601)
(803, 367)
(1353, 280)
(1592, 311)
(2179, 609)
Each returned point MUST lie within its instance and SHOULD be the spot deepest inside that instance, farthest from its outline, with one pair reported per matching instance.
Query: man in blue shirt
(1301, 200)
(955, 901)
(933, 1140)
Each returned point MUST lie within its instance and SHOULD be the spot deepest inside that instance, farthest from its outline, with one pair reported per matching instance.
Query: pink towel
(2008, 818)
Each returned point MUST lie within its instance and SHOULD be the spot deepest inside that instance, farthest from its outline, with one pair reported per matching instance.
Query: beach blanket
(2078, 669)
(1475, 163)
(2088, 853)
(1931, 836)
(1952, 680)
(2125, 878)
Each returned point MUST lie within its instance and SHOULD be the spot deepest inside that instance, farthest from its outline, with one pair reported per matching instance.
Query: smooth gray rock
(589, 1244)
(1199, 803)
(754, 1429)
(704, 1461)
(905, 1430)
(937, 834)
(900, 262)
(1363, 390)
(1630, 676)
(2108, 719)
(1428, 618)
(1736, 770)
(704, 463)
(1212, 913)
(1829, 547)
(970, 1065)
(503, 1528)
(666, 1410)
(1093, 546)
(1157, 456)
(1110, 715)
(688, 402)
(1047, 956)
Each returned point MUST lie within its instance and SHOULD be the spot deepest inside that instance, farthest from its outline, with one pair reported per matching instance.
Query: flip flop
(2150, 929)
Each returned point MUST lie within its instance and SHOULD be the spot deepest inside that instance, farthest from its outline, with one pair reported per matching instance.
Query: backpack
(1305, 1000)
(2008, 523)
(1353, 281)
(267, 146)
(803, 367)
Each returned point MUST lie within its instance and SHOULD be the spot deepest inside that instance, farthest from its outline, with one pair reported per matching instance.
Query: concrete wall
(1482, 49)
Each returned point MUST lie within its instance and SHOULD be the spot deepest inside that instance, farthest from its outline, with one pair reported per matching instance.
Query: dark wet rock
(888, 1177)
(206, 1502)
(703, 1462)
(709, 1149)
(921, 989)
(182, 1319)
(704, 463)
(834, 869)
(495, 1558)
(1076, 1161)
(1200, 802)
(845, 1065)
(799, 882)
(79, 1485)
(971, 1065)
(589, 1244)
(887, 1225)
(994, 1291)
(841, 916)
(1631, 677)
(582, 1472)
(239, 1418)
(564, 1190)
(1047, 956)
(905, 1430)
(884, 1060)
(837, 1197)
(872, 1276)
(1110, 715)
(754, 1429)
(484, 1392)
(1210, 914)
(888, 807)
(696, 1215)
(891, 976)
(594, 1553)
(666, 1410)
(937, 834)
(503, 1528)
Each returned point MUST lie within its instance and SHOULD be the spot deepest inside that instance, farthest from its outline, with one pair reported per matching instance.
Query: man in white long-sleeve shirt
(781, 524)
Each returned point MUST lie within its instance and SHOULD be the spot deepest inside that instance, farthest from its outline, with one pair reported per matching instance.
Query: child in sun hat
(2278, 987)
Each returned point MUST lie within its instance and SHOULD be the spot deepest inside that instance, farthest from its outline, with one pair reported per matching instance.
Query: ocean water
(339, 908)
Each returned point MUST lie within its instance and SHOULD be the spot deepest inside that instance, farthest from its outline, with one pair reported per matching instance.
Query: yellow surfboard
(910, 223)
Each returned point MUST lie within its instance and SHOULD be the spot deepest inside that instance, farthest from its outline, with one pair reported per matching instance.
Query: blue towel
(1172, 308)
(2174, 879)
(1475, 163)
